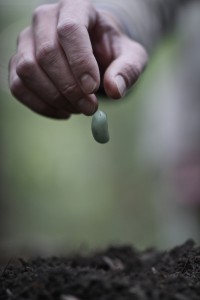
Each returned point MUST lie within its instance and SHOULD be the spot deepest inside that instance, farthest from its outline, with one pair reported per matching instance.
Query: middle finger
(33, 76)
(53, 61)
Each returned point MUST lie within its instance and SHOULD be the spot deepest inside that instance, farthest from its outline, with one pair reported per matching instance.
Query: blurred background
(61, 191)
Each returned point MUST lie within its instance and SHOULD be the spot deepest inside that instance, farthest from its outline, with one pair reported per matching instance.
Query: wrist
(116, 15)
(128, 21)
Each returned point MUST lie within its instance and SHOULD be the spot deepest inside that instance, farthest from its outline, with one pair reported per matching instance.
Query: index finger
(74, 20)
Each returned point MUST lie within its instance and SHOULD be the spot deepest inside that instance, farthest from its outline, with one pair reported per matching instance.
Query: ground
(117, 273)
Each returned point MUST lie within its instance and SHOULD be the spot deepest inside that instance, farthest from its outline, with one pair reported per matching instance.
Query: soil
(117, 273)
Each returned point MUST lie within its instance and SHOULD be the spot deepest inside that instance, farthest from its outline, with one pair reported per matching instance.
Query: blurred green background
(59, 188)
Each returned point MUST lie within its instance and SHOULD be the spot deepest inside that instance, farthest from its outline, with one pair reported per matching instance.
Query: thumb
(125, 69)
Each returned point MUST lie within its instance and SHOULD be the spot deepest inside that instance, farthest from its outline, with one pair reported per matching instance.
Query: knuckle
(39, 12)
(67, 28)
(44, 110)
(16, 87)
(82, 61)
(136, 72)
(69, 90)
(131, 73)
(11, 62)
(25, 67)
(56, 100)
(19, 37)
(87, 4)
(22, 34)
(46, 53)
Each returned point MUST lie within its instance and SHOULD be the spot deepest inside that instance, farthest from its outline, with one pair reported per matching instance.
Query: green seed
(100, 127)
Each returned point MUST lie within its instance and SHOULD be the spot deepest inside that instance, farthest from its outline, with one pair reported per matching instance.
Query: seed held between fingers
(99, 127)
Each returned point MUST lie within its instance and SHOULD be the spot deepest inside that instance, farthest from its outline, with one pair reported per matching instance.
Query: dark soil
(118, 273)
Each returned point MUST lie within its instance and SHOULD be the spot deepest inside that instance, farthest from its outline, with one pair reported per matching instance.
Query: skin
(66, 53)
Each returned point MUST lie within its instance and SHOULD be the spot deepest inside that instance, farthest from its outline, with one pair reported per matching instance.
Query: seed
(100, 127)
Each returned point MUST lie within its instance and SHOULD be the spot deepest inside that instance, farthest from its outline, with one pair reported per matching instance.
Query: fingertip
(120, 84)
(92, 112)
(90, 79)
(88, 105)
(93, 99)
(115, 88)
(89, 85)
(61, 115)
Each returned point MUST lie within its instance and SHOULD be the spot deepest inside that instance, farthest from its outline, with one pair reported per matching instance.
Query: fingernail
(121, 85)
(86, 107)
(88, 84)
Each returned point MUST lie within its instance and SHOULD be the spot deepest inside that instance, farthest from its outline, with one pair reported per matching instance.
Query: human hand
(61, 58)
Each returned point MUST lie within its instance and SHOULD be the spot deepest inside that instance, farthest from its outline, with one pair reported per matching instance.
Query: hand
(61, 57)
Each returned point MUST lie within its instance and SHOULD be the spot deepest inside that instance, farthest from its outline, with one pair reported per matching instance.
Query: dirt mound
(118, 273)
